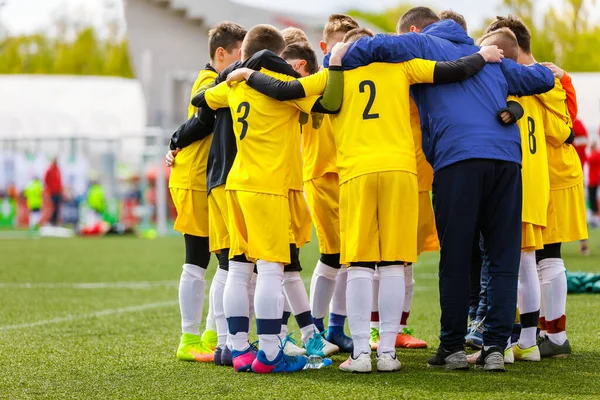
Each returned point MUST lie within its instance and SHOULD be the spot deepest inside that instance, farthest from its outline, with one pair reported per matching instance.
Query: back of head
(293, 35)
(456, 17)
(226, 35)
(419, 17)
(302, 51)
(262, 37)
(356, 34)
(517, 26)
(505, 39)
(338, 23)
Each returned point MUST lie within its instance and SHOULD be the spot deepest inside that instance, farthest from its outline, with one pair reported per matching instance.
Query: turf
(98, 318)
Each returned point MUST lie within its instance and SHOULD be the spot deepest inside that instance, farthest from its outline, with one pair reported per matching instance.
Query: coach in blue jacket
(477, 176)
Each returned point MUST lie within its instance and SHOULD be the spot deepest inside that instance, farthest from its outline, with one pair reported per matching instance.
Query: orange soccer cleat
(407, 341)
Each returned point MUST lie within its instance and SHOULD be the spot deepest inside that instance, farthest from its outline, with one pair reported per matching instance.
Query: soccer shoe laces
(318, 341)
(254, 346)
(408, 331)
(289, 338)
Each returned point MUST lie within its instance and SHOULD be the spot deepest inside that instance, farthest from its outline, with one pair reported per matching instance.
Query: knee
(291, 277)
(331, 260)
(196, 251)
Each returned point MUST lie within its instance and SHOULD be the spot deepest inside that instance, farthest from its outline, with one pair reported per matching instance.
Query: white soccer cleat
(291, 349)
(388, 362)
(360, 364)
(509, 356)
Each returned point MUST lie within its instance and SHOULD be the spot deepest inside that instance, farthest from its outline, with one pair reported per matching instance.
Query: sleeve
(419, 71)
(458, 70)
(567, 84)
(557, 132)
(214, 98)
(204, 80)
(331, 101)
(276, 89)
(271, 61)
(382, 48)
(526, 80)
(196, 128)
(514, 108)
(555, 101)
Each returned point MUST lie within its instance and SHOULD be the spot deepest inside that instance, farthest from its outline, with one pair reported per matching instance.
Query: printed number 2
(362, 87)
(531, 129)
(242, 120)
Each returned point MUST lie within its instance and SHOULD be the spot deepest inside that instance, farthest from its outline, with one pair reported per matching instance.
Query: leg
(322, 287)
(217, 292)
(374, 339)
(529, 301)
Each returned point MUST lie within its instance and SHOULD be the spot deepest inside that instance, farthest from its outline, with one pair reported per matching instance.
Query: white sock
(268, 304)
(375, 301)
(359, 299)
(391, 304)
(542, 308)
(554, 294)
(322, 286)
(191, 298)
(235, 299)
(529, 296)
(217, 290)
(284, 327)
(409, 289)
(295, 292)
(338, 301)
(210, 317)
(251, 292)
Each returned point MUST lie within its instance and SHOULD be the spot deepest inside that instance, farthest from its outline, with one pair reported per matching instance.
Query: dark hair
(505, 39)
(226, 35)
(517, 26)
(302, 51)
(291, 35)
(356, 34)
(420, 17)
(456, 17)
(262, 37)
(338, 23)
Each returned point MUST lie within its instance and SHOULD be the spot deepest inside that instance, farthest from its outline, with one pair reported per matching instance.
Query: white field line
(101, 313)
(92, 285)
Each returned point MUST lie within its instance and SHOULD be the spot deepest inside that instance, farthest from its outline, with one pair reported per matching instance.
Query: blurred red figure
(581, 140)
(593, 178)
(53, 184)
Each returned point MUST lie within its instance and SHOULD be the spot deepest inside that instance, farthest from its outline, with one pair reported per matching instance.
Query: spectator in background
(53, 183)
(593, 176)
(34, 194)
(580, 143)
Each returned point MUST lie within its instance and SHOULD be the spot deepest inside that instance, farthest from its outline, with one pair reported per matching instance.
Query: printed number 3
(362, 87)
(242, 120)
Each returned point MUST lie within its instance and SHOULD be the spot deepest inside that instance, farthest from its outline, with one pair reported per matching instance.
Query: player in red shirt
(580, 144)
(593, 161)
(53, 184)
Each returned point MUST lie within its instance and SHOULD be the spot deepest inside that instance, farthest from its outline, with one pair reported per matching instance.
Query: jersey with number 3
(265, 132)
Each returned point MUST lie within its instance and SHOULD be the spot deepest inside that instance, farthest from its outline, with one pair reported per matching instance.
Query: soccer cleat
(509, 357)
(388, 362)
(242, 360)
(210, 339)
(191, 349)
(281, 363)
(451, 360)
(291, 348)
(529, 354)
(339, 338)
(227, 357)
(217, 356)
(408, 341)
(474, 339)
(318, 346)
(374, 339)
(360, 364)
(553, 350)
(491, 359)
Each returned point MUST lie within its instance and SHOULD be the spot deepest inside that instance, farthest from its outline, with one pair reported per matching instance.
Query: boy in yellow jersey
(566, 219)
(188, 190)
(379, 189)
(257, 190)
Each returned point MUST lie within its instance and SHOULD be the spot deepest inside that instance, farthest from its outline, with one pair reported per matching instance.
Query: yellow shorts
(427, 239)
(531, 237)
(567, 219)
(192, 211)
(218, 234)
(323, 197)
(300, 222)
(379, 217)
(259, 226)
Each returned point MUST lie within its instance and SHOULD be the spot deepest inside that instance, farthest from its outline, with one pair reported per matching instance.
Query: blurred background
(91, 90)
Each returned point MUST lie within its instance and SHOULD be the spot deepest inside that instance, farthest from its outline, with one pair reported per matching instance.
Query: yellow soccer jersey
(318, 147)
(296, 165)
(264, 131)
(189, 169)
(424, 169)
(536, 180)
(563, 162)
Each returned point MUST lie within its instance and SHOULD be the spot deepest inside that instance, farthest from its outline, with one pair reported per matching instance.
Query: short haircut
(356, 34)
(293, 35)
(456, 17)
(505, 39)
(226, 35)
(302, 51)
(420, 17)
(262, 37)
(338, 23)
(517, 26)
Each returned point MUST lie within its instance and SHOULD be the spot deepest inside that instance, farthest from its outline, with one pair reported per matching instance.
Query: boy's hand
(558, 72)
(506, 117)
(337, 53)
(170, 157)
(491, 54)
(239, 75)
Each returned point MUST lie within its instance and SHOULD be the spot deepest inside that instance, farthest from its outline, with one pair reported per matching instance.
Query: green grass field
(98, 318)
